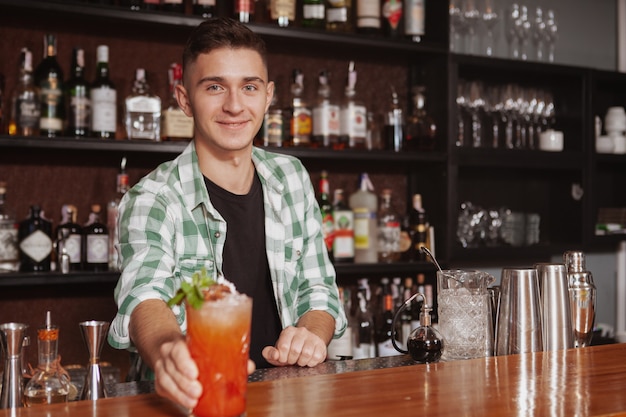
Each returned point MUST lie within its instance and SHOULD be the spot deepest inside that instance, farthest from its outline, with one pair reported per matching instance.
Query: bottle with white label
(353, 115)
(325, 116)
(142, 110)
(414, 16)
(35, 242)
(103, 99)
(95, 243)
(9, 259)
(69, 236)
(388, 229)
(364, 205)
(343, 245)
(176, 124)
(49, 79)
(364, 346)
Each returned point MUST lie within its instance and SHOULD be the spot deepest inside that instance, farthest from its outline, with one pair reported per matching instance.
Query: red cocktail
(218, 336)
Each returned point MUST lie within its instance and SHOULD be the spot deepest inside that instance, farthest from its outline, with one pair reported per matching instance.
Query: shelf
(517, 158)
(498, 255)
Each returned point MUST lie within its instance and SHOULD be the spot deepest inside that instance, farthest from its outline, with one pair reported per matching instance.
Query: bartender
(236, 210)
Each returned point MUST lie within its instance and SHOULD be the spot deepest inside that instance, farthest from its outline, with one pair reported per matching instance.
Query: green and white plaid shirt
(169, 229)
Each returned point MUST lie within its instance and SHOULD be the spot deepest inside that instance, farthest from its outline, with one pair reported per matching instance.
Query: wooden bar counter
(577, 382)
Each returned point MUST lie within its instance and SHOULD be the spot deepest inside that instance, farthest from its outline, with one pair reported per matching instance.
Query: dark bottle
(172, 6)
(363, 346)
(77, 93)
(95, 243)
(244, 10)
(393, 130)
(419, 226)
(151, 4)
(313, 14)
(49, 79)
(384, 328)
(25, 107)
(282, 12)
(69, 239)
(392, 18)
(275, 128)
(35, 242)
(326, 207)
(339, 16)
(420, 130)
(103, 99)
(343, 244)
(204, 8)
(368, 17)
(131, 4)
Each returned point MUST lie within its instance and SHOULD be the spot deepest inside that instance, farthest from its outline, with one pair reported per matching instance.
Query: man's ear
(183, 99)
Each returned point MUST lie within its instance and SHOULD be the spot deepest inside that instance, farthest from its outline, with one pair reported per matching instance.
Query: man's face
(227, 92)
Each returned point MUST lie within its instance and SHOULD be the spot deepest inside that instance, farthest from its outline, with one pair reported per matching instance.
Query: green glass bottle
(49, 79)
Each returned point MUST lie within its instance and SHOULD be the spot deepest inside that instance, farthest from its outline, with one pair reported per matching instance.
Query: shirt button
(298, 253)
(217, 235)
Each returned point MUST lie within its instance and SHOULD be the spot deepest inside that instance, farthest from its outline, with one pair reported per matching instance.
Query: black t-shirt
(245, 261)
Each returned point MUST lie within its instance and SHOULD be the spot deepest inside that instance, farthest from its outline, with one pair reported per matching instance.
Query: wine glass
(523, 27)
(457, 25)
(512, 38)
(471, 15)
(551, 33)
(538, 34)
(475, 106)
(490, 19)
(510, 108)
(461, 104)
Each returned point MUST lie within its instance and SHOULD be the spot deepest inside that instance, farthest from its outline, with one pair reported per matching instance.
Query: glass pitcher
(465, 313)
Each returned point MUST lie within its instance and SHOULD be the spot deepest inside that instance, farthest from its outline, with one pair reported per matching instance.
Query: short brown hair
(221, 32)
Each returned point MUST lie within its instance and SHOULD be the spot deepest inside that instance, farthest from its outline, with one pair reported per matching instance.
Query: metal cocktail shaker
(582, 294)
(555, 305)
(12, 336)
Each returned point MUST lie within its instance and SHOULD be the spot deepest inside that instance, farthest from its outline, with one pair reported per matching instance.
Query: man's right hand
(176, 374)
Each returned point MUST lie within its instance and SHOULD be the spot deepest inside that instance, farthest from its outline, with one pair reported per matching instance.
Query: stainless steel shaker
(519, 328)
(555, 304)
(12, 336)
(582, 295)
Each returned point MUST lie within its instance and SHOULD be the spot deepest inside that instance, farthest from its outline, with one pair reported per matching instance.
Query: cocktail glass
(218, 337)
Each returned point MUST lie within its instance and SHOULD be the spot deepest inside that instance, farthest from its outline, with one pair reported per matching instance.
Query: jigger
(13, 335)
(94, 333)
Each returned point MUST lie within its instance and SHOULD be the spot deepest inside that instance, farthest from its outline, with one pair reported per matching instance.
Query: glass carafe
(465, 313)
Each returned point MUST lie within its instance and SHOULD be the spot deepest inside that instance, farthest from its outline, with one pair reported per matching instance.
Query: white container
(615, 120)
(619, 143)
(551, 140)
(604, 144)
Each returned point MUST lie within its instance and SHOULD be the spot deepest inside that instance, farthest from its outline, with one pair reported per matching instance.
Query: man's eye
(250, 87)
(213, 87)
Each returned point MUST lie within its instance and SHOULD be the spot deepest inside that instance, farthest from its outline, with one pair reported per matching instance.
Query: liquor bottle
(176, 124)
(388, 230)
(410, 313)
(364, 204)
(244, 10)
(394, 125)
(353, 115)
(282, 12)
(343, 245)
(299, 113)
(151, 5)
(2, 111)
(421, 130)
(339, 16)
(414, 16)
(325, 116)
(341, 348)
(172, 6)
(373, 137)
(274, 130)
(363, 346)
(368, 17)
(69, 236)
(122, 186)
(419, 225)
(48, 385)
(77, 93)
(95, 243)
(392, 18)
(49, 79)
(25, 106)
(384, 329)
(103, 98)
(9, 253)
(326, 208)
(313, 14)
(582, 296)
(35, 242)
(142, 110)
(204, 8)
(131, 4)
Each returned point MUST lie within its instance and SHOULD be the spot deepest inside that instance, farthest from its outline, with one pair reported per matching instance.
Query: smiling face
(227, 92)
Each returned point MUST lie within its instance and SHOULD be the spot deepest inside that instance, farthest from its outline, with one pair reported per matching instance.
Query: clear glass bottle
(77, 93)
(394, 125)
(353, 115)
(299, 113)
(176, 124)
(95, 243)
(339, 16)
(48, 385)
(142, 110)
(368, 17)
(343, 245)
(274, 130)
(35, 242)
(421, 129)
(326, 208)
(103, 98)
(282, 12)
(122, 187)
(364, 204)
(49, 79)
(9, 254)
(363, 346)
(313, 14)
(325, 116)
(25, 106)
(389, 223)
(414, 17)
(69, 236)
(582, 295)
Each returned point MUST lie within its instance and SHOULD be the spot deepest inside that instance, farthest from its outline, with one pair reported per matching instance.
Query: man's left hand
(296, 346)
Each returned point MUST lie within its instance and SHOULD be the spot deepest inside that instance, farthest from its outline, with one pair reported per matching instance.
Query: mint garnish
(193, 292)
